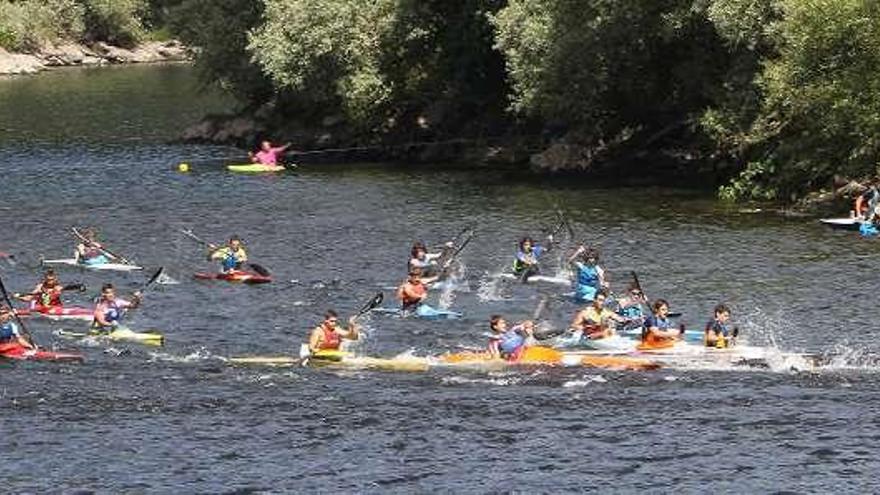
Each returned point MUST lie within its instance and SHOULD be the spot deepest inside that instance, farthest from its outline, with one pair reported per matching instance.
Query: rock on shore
(72, 54)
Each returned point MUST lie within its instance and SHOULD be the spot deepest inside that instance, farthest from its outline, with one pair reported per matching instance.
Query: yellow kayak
(121, 334)
(337, 358)
(255, 168)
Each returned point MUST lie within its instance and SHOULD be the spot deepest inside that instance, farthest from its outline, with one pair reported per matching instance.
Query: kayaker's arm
(315, 339)
(353, 330)
(577, 253)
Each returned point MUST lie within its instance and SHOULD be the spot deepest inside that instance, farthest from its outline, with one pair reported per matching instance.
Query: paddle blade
(79, 287)
(259, 269)
(372, 303)
(155, 277)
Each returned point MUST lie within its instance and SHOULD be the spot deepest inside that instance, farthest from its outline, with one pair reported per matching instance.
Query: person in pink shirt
(268, 155)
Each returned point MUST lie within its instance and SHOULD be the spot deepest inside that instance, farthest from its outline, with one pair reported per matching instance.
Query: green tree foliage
(115, 21)
(606, 66)
(386, 64)
(218, 30)
(26, 25)
(819, 112)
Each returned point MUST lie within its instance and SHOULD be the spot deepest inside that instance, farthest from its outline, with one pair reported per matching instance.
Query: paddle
(448, 261)
(100, 248)
(24, 330)
(372, 304)
(77, 287)
(260, 269)
(635, 277)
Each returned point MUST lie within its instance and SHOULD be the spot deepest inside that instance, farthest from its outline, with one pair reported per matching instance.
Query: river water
(91, 147)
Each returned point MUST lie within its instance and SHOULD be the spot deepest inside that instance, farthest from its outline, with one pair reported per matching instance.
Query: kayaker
(46, 294)
(328, 335)
(9, 331)
(718, 333)
(268, 154)
(414, 290)
(89, 251)
(657, 330)
(866, 203)
(590, 277)
(110, 308)
(427, 262)
(596, 321)
(528, 254)
(231, 256)
(631, 305)
(509, 343)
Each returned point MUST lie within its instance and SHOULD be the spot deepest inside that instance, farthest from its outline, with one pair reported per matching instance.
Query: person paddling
(509, 343)
(46, 294)
(268, 154)
(91, 252)
(328, 335)
(528, 254)
(414, 290)
(717, 332)
(866, 203)
(423, 260)
(596, 321)
(110, 309)
(9, 331)
(632, 305)
(590, 276)
(231, 256)
(657, 331)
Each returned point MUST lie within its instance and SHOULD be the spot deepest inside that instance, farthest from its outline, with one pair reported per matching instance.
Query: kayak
(338, 358)
(847, 223)
(241, 276)
(690, 336)
(59, 312)
(422, 311)
(546, 356)
(538, 279)
(255, 168)
(18, 352)
(577, 340)
(119, 267)
(121, 334)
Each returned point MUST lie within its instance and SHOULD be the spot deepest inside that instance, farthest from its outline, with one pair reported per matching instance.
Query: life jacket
(721, 333)
(519, 264)
(587, 275)
(231, 259)
(49, 297)
(510, 341)
(112, 313)
(330, 340)
(631, 311)
(8, 332)
(418, 289)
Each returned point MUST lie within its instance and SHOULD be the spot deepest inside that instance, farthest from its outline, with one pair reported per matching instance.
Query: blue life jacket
(8, 332)
(867, 229)
(588, 275)
(654, 321)
(510, 341)
(632, 311)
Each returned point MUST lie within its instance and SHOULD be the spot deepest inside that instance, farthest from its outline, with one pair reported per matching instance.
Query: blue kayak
(422, 311)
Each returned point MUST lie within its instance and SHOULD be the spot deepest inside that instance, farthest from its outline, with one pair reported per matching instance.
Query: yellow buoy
(183, 167)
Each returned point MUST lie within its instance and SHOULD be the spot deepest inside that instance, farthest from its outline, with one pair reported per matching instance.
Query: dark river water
(91, 147)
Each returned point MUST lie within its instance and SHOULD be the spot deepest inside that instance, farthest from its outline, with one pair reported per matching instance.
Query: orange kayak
(546, 356)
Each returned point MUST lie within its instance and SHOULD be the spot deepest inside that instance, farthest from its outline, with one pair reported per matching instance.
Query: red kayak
(240, 276)
(58, 312)
(14, 350)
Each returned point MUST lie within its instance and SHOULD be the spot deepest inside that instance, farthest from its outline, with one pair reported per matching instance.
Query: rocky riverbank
(73, 54)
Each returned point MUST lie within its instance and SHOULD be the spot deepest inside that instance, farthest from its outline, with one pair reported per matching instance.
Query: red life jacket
(330, 340)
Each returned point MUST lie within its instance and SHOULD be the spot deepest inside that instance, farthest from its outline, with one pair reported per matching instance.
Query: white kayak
(546, 279)
(118, 267)
(577, 340)
(847, 223)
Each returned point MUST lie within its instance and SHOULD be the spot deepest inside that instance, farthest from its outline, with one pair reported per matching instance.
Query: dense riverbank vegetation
(767, 98)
